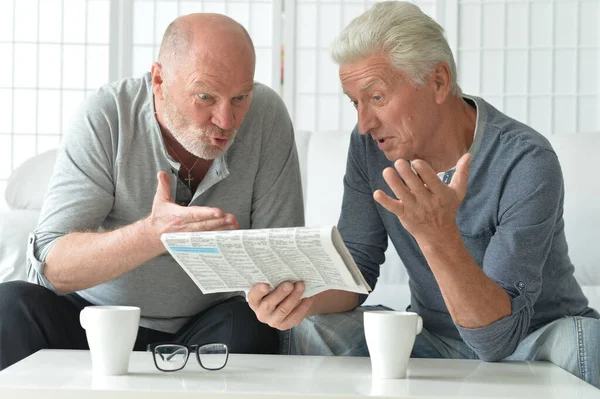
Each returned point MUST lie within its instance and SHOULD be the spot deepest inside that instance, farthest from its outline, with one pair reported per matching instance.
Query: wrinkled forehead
(363, 73)
(222, 71)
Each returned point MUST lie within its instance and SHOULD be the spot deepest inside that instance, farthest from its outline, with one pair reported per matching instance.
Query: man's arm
(491, 304)
(81, 260)
(66, 251)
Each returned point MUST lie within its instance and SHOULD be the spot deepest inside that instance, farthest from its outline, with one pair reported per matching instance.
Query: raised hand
(167, 216)
(425, 206)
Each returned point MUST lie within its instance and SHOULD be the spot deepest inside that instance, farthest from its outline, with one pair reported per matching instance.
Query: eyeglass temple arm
(172, 354)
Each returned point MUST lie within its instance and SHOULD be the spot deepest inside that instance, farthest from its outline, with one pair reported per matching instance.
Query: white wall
(54, 52)
(536, 60)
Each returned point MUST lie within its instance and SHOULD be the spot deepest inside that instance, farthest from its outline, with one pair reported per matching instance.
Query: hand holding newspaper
(236, 260)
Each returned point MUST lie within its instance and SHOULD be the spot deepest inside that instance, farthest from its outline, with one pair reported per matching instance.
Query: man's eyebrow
(249, 88)
(371, 83)
(203, 85)
(366, 85)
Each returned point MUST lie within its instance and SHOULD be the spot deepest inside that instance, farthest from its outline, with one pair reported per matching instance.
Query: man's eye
(377, 98)
(204, 96)
(241, 97)
(355, 103)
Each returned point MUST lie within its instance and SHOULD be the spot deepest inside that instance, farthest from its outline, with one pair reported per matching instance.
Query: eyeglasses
(174, 357)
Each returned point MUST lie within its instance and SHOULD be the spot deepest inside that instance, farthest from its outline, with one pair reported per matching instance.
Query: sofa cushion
(15, 226)
(28, 183)
(302, 140)
(581, 212)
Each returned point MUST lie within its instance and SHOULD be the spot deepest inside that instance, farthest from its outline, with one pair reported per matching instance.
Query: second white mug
(111, 333)
(390, 338)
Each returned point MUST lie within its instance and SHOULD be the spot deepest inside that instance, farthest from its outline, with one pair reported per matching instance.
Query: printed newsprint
(236, 260)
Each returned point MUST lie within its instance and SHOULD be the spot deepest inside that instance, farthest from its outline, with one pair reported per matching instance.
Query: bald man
(195, 145)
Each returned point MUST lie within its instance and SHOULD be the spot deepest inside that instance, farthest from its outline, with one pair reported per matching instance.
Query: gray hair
(412, 41)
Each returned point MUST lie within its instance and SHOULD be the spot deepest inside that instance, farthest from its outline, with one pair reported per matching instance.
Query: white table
(67, 374)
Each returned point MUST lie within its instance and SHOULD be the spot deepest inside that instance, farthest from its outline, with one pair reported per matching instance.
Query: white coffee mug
(390, 338)
(111, 333)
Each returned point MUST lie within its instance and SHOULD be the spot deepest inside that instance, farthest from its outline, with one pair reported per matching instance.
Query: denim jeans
(572, 343)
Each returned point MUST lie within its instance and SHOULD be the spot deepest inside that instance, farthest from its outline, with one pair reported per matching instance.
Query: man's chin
(208, 153)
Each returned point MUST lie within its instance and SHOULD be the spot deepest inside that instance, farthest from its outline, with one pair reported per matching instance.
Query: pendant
(189, 179)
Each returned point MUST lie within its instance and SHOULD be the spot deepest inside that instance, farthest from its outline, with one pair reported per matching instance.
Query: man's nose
(223, 116)
(367, 121)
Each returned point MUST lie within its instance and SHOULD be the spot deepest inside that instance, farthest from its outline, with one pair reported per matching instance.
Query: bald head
(203, 34)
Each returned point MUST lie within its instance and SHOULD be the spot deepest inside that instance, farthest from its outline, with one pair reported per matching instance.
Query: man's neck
(454, 136)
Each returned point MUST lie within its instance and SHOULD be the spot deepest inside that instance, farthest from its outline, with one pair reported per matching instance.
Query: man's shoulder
(513, 133)
(264, 100)
(264, 93)
(267, 111)
(113, 114)
(123, 92)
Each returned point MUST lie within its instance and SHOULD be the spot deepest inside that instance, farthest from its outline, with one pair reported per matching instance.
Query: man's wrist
(441, 241)
(148, 233)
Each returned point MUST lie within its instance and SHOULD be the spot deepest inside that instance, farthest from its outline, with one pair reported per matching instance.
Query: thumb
(461, 176)
(163, 190)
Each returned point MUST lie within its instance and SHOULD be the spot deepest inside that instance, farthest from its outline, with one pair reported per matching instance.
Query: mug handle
(83, 318)
(419, 324)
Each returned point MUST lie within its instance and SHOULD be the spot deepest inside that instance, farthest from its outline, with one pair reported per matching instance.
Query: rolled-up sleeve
(530, 207)
(81, 190)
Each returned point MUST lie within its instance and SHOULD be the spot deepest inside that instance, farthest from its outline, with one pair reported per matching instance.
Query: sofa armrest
(15, 227)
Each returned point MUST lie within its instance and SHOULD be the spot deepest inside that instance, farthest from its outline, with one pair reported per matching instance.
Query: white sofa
(322, 161)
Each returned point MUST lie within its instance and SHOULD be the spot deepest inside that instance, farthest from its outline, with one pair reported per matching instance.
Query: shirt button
(520, 285)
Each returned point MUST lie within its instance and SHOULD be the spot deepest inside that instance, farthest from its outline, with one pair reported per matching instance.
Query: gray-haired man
(476, 216)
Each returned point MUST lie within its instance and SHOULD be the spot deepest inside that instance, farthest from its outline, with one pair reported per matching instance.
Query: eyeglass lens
(213, 356)
(170, 357)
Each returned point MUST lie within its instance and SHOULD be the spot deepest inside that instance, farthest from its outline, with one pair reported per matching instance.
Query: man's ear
(157, 80)
(442, 78)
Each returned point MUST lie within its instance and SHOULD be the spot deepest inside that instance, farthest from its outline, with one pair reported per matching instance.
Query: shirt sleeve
(360, 224)
(530, 207)
(277, 199)
(81, 190)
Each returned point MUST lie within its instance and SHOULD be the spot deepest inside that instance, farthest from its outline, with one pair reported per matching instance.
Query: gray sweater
(105, 178)
(511, 221)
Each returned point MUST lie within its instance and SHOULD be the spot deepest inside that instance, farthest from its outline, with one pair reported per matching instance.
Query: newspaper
(236, 260)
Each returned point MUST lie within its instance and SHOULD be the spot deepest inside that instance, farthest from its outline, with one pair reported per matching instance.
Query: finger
(209, 225)
(460, 178)
(163, 189)
(428, 176)
(256, 295)
(298, 314)
(201, 213)
(413, 182)
(275, 297)
(390, 175)
(231, 219)
(287, 306)
(391, 205)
